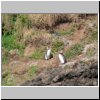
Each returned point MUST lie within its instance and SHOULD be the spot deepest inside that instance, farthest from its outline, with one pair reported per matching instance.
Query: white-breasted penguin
(48, 54)
(62, 58)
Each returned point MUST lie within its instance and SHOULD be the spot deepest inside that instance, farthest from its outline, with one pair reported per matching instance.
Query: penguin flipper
(65, 60)
(51, 56)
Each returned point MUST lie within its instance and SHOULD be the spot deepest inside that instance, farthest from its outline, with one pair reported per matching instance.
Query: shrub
(8, 79)
(8, 22)
(57, 45)
(9, 42)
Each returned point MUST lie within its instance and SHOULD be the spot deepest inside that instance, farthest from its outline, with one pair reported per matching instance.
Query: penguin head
(61, 52)
(48, 47)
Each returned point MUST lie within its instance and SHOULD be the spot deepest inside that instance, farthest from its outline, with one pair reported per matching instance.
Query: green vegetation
(23, 18)
(93, 37)
(21, 23)
(8, 22)
(5, 56)
(8, 79)
(67, 32)
(74, 51)
(32, 71)
(9, 42)
(5, 59)
(12, 23)
(57, 45)
(15, 23)
(37, 54)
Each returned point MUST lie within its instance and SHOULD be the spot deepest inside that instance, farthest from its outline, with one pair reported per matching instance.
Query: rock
(82, 72)
(91, 25)
(70, 64)
(56, 78)
(95, 83)
(93, 46)
(79, 76)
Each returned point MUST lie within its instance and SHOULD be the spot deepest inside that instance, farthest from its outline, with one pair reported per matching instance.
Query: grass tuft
(93, 37)
(37, 54)
(8, 79)
(67, 32)
(90, 52)
(74, 51)
(57, 45)
(32, 70)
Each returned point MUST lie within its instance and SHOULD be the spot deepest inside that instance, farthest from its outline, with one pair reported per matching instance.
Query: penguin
(62, 58)
(48, 54)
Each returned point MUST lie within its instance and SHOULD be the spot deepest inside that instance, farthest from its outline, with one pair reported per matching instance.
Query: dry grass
(39, 39)
(50, 20)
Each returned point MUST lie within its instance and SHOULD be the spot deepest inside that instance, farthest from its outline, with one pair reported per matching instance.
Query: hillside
(25, 38)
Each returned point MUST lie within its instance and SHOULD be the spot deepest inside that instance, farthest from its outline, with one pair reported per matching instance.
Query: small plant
(67, 32)
(37, 54)
(5, 56)
(24, 20)
(74, 51)
(32, 70)
(90, 52)
(57, 45)
(93, 37)
(5, 59)
(8, 79)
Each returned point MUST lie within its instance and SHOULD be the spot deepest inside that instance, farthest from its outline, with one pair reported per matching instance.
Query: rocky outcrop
(77, 74)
